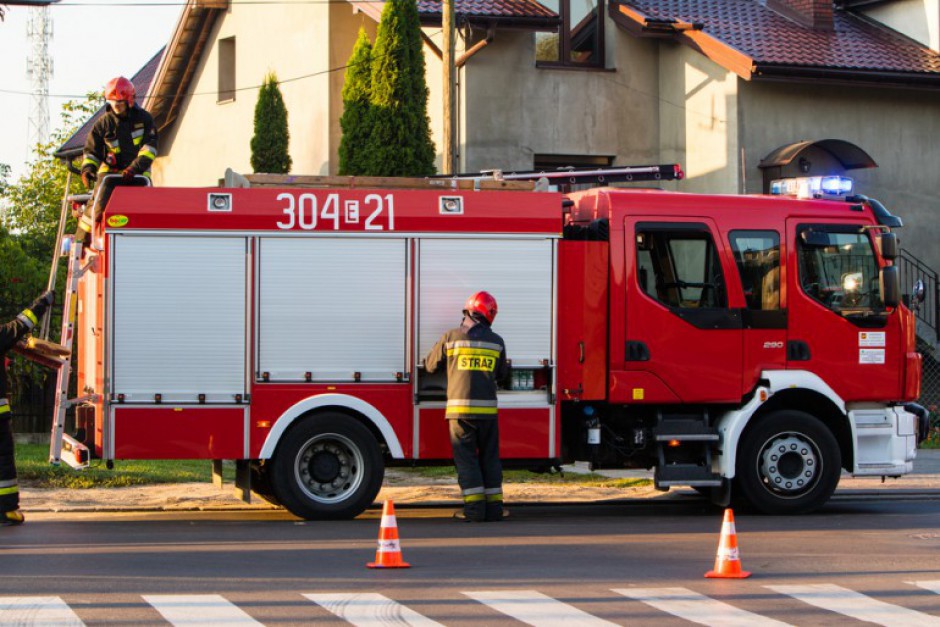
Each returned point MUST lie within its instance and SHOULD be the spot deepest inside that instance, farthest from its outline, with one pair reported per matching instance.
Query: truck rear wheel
(788, 463)
(327, 467)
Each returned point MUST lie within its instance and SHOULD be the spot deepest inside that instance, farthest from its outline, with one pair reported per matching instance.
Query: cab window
(679, 267)
(757, 256)
(838, 268)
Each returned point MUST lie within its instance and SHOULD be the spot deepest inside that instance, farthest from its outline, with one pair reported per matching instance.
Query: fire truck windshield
(838, 268)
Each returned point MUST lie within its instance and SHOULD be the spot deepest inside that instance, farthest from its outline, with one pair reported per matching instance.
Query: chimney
(817, 14)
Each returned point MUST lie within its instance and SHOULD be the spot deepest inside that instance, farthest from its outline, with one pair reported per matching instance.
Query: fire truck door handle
(581, 352)
(637, 351)
(798, 350)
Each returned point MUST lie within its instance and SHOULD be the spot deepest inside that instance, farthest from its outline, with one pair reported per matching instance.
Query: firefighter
(475, 358)
(123, 141)
(10, 334)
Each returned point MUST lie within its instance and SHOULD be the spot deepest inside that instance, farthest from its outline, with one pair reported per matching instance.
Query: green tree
(269, 146)
(30, 216)
(356, 121)
(400, 143)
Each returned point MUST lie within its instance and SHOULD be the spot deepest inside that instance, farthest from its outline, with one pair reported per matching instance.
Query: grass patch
(526, 476)
(33, 467)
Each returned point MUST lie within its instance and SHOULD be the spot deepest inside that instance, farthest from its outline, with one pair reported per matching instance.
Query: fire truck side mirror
(890, 286)
(889, 246)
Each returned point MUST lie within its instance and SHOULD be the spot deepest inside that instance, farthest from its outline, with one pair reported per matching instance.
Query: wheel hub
(328, 468)
(789, 464)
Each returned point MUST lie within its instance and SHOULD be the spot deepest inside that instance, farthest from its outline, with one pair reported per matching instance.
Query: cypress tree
(269, 145)
(356, 121)
(400, 143)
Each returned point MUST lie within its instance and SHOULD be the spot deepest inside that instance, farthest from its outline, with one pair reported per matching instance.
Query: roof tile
(491, 8)
(771, 39)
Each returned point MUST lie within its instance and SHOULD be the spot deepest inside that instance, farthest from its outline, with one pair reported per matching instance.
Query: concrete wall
(698, 115)
(898, 128)
(918, 19)
(513, 110)
(209, 136)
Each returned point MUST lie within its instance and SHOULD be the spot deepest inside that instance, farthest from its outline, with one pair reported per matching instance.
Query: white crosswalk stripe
(536, 608)
(855, 604)
(933, 586)
(199, 609)
(370, 609)
(40, 611)
(697, 608)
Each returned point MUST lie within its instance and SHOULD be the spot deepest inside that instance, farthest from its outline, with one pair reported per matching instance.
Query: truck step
(684, 429)
(685, 474)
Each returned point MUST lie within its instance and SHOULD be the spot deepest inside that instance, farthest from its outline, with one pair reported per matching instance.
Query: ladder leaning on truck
(749, 346)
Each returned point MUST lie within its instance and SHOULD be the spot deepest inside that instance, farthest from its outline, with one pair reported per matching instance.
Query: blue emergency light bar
(813, 187)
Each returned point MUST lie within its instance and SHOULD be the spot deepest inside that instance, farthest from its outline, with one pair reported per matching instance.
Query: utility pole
(450, 86)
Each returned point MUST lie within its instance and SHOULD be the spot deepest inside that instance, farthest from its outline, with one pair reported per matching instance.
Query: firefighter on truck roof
(475, 358)
(11, 333)
(123, 141)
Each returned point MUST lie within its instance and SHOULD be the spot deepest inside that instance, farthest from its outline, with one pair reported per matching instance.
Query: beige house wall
(209, 136)
(918, 19)
(897, 128)
(698, 115)
(512, 110)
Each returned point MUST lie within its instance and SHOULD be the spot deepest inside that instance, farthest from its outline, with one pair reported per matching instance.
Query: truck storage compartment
(331, 309)
(178, 310)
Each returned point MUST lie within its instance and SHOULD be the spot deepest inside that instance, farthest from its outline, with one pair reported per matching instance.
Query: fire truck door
(683, 342)
(839, 328)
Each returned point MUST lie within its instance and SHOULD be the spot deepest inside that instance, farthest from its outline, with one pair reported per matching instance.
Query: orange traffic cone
(388, 554)
(728, 561)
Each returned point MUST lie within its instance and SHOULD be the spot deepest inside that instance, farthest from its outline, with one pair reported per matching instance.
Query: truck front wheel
(327, 467)
(788, 463)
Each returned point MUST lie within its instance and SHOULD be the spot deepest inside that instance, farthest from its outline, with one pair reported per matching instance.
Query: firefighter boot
(10, 519)
(472, 512)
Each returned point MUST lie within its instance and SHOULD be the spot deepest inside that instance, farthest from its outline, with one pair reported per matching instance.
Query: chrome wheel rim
(329, 468)
(789, 464)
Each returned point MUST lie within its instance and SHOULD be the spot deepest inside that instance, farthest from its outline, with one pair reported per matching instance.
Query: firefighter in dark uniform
(10, 334)
(475, 358)
(123, 141)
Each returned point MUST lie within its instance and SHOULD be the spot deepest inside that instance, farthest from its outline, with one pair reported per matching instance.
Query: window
(838, 268)
(227, 69)
(580, 40)
(757, 255)
(679, 266)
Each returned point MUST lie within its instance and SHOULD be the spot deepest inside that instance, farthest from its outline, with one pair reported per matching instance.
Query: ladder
(63, 447)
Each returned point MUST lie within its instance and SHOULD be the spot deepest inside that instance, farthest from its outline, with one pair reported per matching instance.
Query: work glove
(129, 173)
(48, 298)
(88, 179)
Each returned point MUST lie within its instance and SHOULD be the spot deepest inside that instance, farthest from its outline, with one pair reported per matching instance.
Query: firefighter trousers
(9, 489)
(479, 472)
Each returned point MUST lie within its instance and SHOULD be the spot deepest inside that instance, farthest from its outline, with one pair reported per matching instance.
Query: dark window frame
(566, 34)
(227, 53)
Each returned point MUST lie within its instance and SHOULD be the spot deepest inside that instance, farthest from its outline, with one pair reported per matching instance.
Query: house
(737, 91)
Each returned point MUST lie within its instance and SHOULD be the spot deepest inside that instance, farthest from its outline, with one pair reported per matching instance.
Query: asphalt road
(863, 557)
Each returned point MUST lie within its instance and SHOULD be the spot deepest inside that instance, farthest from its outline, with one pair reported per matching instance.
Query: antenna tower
(39, 69)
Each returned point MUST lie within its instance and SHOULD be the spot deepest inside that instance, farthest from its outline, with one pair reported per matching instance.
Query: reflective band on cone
(388, 554)
(728, 561)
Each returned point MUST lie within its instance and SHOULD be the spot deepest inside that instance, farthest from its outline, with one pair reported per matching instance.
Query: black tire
(327, 467)
(788, 463)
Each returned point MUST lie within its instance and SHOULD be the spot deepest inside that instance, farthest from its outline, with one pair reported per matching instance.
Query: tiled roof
(141, 80)
(767, 37)
(491, 8)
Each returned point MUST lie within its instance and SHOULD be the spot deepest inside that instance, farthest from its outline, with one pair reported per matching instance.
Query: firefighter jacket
(11, 333)
(116, 143)
(475, 358)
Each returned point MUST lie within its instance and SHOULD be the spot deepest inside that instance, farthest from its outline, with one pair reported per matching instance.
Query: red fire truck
(752, 346)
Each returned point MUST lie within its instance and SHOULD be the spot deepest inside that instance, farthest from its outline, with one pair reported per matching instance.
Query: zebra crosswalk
(368, 609)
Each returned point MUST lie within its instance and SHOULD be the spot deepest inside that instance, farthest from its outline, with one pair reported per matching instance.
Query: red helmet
(482, 303)
(120, 89)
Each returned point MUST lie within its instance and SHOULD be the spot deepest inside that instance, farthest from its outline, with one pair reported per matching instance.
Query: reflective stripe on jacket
(475, 358)
(128, 141)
